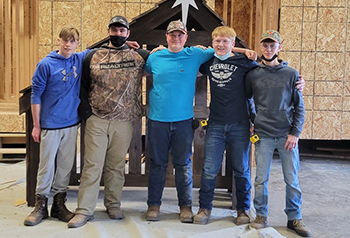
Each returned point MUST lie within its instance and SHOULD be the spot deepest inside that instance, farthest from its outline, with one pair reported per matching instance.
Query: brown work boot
(186, 214)
(242, 217)
(79, 220)
(259, 222)
(299, 227)
(115, 213)
(202, 216)
(59, 209)
(152, 213)
(39, 213)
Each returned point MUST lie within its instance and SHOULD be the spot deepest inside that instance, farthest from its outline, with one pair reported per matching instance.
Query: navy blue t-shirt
(229, 103)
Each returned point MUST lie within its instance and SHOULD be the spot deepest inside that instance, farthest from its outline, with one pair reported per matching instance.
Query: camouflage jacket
(111, 83)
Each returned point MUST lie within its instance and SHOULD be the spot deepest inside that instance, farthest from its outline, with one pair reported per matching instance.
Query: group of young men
(102, 87)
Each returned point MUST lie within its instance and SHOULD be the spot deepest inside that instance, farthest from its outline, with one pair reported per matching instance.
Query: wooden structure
(250, 18)
(32, 160)
(148, 29)
(19, 33)
(11, 139)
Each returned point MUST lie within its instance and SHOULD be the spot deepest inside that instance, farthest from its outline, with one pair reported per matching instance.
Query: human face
(176, 40)
(67, 47)
(118, 31)
(223, 45)
(269, 49)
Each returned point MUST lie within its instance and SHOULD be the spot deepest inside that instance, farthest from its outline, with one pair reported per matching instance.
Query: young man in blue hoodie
(279, 120)
(54, 103)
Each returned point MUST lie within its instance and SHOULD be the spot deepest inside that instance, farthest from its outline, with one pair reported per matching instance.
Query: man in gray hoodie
(278, 124)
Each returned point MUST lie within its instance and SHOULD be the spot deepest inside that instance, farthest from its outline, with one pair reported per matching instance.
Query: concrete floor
(326, 208)
(326, 197)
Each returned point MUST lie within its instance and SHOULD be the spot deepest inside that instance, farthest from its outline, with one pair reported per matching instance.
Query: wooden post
(201, 113)
(32, 155)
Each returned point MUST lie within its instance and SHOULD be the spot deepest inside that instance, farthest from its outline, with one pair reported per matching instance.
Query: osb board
(238, 18)
(316, 29)
(327, 124)
(307, 129)
(10, 122)
(90, 17)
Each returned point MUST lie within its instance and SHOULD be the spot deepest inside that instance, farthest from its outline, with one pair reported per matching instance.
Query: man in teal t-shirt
(170, 118)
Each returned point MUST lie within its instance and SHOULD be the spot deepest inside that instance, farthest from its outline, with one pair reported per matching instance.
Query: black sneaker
(299, 227)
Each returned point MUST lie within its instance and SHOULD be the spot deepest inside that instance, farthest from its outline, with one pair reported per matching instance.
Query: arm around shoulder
(84, 108)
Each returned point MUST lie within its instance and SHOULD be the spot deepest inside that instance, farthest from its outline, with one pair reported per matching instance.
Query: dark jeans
(176, 137)
(236, 136)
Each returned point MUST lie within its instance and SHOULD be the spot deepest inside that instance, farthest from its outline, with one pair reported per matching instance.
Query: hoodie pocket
(65, 109)
(272, 121)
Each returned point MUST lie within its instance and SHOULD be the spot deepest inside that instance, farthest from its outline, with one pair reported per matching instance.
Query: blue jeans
(176, 137)
(290, 166)
(236, 137)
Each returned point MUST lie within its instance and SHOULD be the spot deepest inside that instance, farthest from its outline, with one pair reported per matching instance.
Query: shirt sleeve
(144, 53)
(148, 65)
(248, 85)
(84, 108)
(299, 109)
(204, 68)
(39, 82)
(206, 54)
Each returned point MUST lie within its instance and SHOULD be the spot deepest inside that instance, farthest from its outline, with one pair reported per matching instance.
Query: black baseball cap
(119, 20)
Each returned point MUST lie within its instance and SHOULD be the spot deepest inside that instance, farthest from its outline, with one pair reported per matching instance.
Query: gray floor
(326, 197)
(326, 208)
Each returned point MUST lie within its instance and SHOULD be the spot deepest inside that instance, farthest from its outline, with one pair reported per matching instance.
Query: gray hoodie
(279, 105)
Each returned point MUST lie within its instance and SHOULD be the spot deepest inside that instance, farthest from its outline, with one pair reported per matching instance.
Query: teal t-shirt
(174, 79)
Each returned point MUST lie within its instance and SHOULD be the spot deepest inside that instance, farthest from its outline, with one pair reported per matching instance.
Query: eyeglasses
(271, 46)
(224, 42)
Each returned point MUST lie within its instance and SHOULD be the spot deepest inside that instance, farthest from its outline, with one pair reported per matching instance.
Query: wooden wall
(19, 47)
(317, 43)
(250, 18)
(19, 53)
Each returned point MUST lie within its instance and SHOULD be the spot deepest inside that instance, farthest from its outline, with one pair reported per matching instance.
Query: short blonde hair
(224, 31)
(69, 32)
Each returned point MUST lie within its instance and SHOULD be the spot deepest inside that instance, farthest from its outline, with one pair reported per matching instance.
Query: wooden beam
(33, 37)
(251, 27)
(2, 47)
(231, 24)
(7, 49)
(258, 24)
(12, 150)
(25, 55)
(225, 11)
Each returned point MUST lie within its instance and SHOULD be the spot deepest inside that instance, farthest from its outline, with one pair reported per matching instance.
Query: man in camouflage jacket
(110, 102)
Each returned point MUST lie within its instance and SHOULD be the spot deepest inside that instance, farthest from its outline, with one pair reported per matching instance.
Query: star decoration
(184, 7)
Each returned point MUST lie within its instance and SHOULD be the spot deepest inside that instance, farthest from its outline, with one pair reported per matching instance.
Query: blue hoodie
(56, 87)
